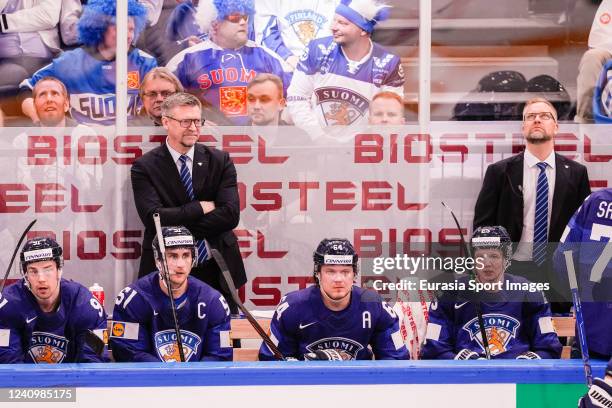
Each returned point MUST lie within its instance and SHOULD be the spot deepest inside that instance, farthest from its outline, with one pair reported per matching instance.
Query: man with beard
(533, 194)
(337, 76)
(193, 185)
(335, 319)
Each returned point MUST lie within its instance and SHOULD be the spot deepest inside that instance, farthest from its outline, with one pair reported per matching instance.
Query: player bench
(565, 327)
(242, 330)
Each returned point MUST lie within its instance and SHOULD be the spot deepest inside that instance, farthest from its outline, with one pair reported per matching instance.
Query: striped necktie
(188, 183)
(540, 227)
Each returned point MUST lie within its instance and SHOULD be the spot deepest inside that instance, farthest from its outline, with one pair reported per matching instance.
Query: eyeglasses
(186, 123)
(163, 94)
(237, 17)
(530, 117)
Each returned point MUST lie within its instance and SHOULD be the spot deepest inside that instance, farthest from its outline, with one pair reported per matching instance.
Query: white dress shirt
(530, 180)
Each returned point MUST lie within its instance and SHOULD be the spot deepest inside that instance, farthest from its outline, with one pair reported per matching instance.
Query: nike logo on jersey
(28, 321)
(303, 326)
(155, 313)
(460, 305)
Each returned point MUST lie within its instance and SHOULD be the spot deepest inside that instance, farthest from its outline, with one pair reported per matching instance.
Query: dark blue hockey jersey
(219, 77)
(90, 81)
(303, 324)
(589, 236)
(515, 322)
(29, 335)
(143, 328)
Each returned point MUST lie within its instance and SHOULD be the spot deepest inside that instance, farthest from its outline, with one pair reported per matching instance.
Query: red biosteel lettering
(102, 150)
(370, 195)
(333, 196)
(446, 147)
(275, 200)
(263, 158)
(98, 238)
(51, 193)
(122, 241)
(489, 144)
(244, 243)
(263, 253)
(234, 145)
(7, 196)
(124, 145)
(74, 202)
(42, 150)
(302, 281)
(368, 148)
(273, 293)
(303, 187)
(594, 158)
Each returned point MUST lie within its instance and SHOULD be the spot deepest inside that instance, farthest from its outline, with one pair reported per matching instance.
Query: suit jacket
(500, 201)
(157, 188)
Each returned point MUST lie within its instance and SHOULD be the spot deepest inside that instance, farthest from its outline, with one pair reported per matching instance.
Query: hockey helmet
(41, 249)
(176, 237)
(493, 237)
(334, 251)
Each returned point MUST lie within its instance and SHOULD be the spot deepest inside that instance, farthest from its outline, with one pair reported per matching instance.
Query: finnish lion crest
(500, 329)
(47, 348)
(167, 346)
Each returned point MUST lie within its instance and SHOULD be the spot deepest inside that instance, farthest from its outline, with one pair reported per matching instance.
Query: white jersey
(601, 30)
(287, 26)
(329, 89)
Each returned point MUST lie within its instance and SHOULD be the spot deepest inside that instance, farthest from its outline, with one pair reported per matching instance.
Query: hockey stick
(165, 276)
(573, 283)
(232, 288)
(8, 270)
(483, 331)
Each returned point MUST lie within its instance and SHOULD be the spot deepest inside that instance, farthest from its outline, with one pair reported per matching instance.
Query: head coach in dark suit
(533, 194)
(192, 185)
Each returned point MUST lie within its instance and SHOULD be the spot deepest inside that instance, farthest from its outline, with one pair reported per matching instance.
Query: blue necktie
(540, 228)
(188, 183)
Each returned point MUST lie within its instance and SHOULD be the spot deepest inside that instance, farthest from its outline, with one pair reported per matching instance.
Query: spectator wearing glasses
(157, 85)
(533, 194)
(219, 69)
(192, 185)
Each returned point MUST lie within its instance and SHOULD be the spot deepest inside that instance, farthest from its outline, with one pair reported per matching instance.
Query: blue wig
(99, 14)
(227, 7)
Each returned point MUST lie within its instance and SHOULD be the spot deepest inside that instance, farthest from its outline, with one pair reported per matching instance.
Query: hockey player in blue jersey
(143, 327)
(517, 322)
(337, 76)
(89, 72)
(589, 236)
(219, 69)
(334, 319)
(47, 319)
